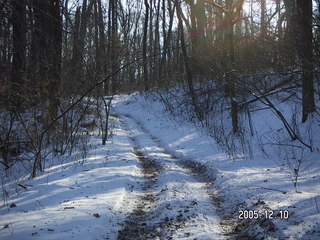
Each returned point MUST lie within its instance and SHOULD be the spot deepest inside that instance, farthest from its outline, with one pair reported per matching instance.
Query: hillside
(163, 177)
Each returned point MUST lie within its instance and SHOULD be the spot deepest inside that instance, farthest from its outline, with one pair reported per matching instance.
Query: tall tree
(82, 16)
(156, 46)
(230, 80)
(280, 18)
(19, 51)
(98, 57)
(144, 47)
(102, 39)
(167, 35)
(186, 62)
(291, 28)
(305, 52)
(54, 56)
(263, 22)
(112, 43)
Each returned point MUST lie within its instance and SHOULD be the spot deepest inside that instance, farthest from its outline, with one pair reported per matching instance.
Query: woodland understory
(213, 61)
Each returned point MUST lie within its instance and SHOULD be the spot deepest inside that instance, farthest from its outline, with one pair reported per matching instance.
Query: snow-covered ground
(80, 199)
(96, 197)
(182, 207)
(255, 183)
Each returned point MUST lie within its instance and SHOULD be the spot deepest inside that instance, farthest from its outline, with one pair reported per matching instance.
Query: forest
(77, 74)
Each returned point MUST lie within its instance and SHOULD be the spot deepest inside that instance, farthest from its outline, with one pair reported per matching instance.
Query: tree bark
(263, 23)
(291, 29)
(79, 36)
(150, 44)
(305, 52)
(144, 47)
(54, 56)
(98, 60)
(279, 23)
(156, 47)
(102, 40)
(113, 39)
(19, 52)
(167, 38)
(186, 63)
(231, 78)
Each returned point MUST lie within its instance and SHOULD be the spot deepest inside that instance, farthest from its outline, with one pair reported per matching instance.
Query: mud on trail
(136, 225)
(177, 199)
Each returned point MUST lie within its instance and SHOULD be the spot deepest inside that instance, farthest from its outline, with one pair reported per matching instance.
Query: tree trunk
(66, 26)
(290, 31)
(144, 47)
(102, 40)
(263, 29)
(19, 52)
(305, 51)
(201, 24)
(156, 46)
(150, 44)
(219, 24)
(98, 70)
(279, 23)
(231, 78)
(38, 52)
(193, 33)
(54, 57)
(167, 39)
(113, 47)
(79, 36)
(186, 63)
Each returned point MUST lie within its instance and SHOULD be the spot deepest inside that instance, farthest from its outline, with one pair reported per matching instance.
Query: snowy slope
(255, 183)
(81, 199)
(183, 205)
(109, 193)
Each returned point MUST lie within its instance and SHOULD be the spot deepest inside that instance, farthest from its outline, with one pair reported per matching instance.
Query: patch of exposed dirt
(136, 226)
(233, 227)
(140, 223)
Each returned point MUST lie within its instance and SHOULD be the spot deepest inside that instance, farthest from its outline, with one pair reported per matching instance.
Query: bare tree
(305, 51)
(186, 62)
(54, 56)
(19, 51)
(263, 22)
(145, 34)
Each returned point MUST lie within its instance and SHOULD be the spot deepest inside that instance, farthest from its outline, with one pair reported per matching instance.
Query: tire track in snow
(176, 203)
(136, 226)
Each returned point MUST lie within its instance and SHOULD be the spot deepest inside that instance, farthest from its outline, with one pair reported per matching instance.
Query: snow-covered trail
(175, 203)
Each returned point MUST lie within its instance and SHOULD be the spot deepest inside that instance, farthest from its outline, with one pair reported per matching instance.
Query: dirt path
(175, 202)
(136, 226)
(177, 198)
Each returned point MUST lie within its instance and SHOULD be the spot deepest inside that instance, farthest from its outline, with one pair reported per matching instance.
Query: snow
(93, 196)
(245, 180)
(61, 202)
(179, 192)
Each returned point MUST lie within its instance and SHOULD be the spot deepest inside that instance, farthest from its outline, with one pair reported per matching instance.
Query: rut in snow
(175, 202)
(137, 224)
